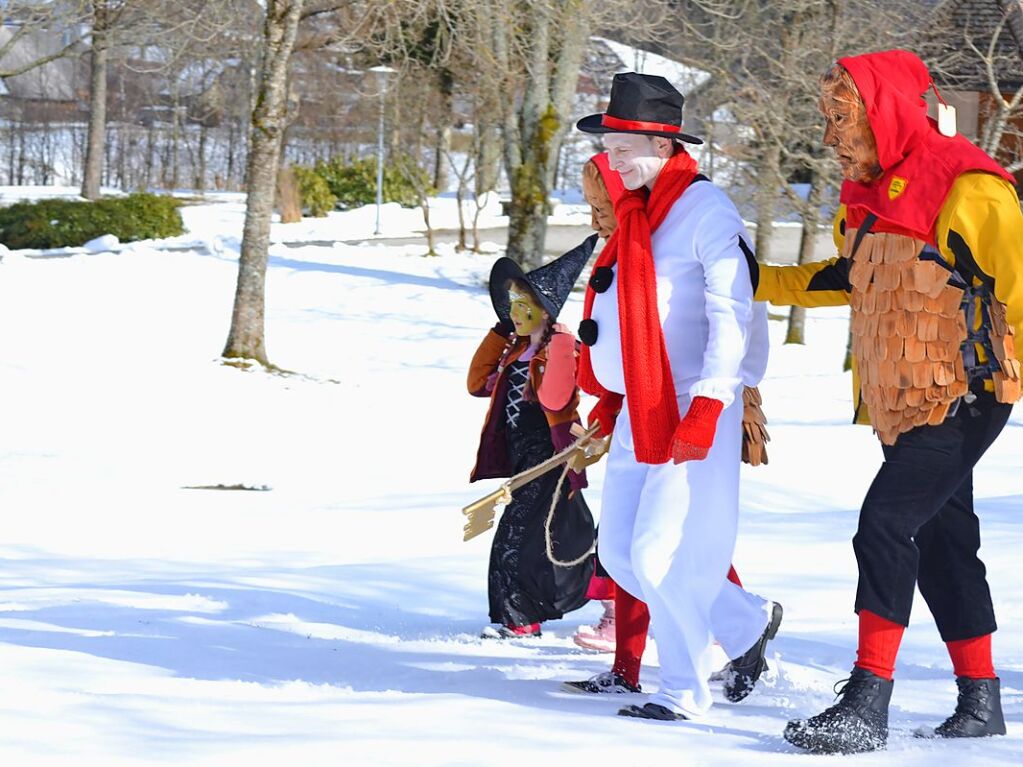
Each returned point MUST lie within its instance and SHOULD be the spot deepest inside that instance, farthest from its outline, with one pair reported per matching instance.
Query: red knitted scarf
(653, 408)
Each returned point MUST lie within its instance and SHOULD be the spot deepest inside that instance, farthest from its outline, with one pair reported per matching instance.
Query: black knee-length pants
(917, 524)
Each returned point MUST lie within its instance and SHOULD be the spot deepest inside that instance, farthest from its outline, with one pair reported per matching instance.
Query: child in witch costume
(667, 328)
(526, 365)
(623, 627)
(931, 241)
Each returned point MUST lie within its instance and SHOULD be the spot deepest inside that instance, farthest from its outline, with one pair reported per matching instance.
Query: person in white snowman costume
(671, 334)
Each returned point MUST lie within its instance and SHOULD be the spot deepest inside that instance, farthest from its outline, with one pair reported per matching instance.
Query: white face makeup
(637, 158)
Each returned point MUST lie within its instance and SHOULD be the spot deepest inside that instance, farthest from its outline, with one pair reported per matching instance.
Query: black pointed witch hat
(551, 283)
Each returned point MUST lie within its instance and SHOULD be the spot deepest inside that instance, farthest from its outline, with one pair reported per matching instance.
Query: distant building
(54, 82)
(604, 59)
(965, 39)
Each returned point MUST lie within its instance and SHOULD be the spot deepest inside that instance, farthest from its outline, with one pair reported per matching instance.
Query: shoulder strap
(865, 227)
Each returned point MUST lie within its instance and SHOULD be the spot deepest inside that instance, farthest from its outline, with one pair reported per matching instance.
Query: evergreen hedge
(313, 190)
(355, 184)
(69, 223)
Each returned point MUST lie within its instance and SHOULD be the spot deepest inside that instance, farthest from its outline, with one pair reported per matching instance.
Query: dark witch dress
(524, 586)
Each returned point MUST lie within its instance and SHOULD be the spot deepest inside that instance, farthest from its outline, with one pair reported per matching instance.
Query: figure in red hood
(930, 237)
(916, 165)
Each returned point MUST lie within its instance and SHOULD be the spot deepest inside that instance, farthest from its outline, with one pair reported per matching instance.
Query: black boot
(743, 672)
(857, 723)
(978, 711)
(652, 711)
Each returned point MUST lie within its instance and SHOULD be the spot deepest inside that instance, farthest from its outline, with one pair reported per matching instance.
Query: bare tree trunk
(847, 363)
(1013, 11)
(476, 226)
(766, 199)
(269, 119)
(48, 159)
(95, 143)
(122, 151)
(230, 153)
(11, 132)
(200, 176)
(78, 166)
(442, 120)
(408, 166)
(430, 239)
(165, 161)
(487, 152)
(460, 198)
(1000, 120)
(175, 141)
(811, 224)
(21, 155)
(462, 188)
(541, 122)
(289, 198)
(443, 147)
(124, 127)
(150, 154)
(525, 153)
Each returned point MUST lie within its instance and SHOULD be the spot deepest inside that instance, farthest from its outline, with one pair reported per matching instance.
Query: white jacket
(716, 336)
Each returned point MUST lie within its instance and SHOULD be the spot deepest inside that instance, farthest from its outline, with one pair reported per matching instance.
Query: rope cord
(547, 529)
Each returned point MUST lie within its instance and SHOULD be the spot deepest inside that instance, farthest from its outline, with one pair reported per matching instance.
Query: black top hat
(551, 283)
(646, 104)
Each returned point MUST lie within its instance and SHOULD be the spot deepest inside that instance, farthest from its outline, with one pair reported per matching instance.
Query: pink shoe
(600, 637)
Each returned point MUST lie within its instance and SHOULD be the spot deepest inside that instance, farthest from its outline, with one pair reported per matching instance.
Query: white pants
(667, 535)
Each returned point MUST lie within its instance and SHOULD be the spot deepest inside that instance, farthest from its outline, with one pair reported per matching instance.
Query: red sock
(632, 619)
(879, 644)
(972, 657)
(734, 576)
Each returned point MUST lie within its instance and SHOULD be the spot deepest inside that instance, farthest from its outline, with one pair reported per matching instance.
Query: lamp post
(381, 74)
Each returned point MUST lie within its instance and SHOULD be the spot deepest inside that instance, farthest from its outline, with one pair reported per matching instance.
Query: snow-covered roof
(52, 81)
(683, 77)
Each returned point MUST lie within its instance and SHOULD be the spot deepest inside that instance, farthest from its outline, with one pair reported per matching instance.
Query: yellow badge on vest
(897, 187)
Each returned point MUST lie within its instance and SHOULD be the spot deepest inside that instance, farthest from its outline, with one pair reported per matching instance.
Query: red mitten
(605, 412)
(695, 433)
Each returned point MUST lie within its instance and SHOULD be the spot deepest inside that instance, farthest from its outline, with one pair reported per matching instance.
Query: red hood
(892, 84)
(612, 178)
(919, 165)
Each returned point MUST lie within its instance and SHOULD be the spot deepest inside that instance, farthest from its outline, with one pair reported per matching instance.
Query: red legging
(632, 619)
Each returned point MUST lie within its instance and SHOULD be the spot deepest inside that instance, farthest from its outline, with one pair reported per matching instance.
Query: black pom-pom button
(588, 332)
(601, 278)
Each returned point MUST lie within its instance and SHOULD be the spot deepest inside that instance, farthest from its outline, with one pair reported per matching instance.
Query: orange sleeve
(484, 363)
(558, 383)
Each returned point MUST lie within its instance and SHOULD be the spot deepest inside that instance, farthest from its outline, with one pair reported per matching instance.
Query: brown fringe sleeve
(754, 428)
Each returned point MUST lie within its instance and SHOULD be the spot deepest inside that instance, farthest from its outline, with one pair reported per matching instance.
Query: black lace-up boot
(857, 722)
(978, 711)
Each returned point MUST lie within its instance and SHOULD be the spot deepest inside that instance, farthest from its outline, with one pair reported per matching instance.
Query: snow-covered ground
(332, 618)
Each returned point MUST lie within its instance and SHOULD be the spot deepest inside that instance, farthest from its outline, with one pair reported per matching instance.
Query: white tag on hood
(946, 120)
